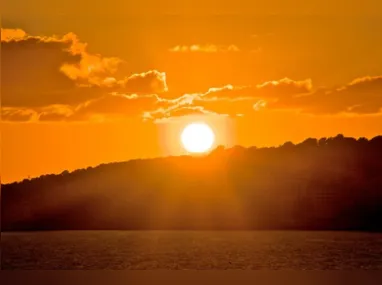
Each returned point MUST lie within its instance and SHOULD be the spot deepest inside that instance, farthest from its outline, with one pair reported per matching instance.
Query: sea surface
(191, 250)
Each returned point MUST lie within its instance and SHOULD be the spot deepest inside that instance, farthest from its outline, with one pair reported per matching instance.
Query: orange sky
(84, 85)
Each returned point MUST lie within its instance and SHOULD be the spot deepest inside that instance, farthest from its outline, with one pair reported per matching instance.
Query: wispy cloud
(207, 48)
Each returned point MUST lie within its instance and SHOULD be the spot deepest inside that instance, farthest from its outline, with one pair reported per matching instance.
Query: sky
(83, 85)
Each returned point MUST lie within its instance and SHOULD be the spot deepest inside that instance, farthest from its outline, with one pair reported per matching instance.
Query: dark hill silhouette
(326, 184)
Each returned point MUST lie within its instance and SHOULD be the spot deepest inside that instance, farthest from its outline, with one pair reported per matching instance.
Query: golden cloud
(8, 35)
(208, 48)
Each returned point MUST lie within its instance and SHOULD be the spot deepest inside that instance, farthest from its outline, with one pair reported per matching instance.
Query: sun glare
(197, 137)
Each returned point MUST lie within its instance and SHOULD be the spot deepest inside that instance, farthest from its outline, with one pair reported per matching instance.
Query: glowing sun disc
(197, 137)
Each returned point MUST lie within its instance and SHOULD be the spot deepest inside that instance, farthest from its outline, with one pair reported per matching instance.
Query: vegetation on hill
(326, 184)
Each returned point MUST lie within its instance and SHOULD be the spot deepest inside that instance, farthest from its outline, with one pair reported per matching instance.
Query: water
(191, 250)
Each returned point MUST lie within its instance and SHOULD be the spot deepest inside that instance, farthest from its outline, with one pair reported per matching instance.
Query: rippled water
(191, 250)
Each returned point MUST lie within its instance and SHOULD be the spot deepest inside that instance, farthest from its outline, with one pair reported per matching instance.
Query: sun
(197, 137)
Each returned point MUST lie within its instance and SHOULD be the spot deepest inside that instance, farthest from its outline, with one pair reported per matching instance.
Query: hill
(326, 184)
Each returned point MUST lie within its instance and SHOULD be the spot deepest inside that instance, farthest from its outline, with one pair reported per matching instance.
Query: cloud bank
(55, 78)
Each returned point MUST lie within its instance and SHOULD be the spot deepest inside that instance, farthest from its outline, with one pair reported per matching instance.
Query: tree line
(319, 184)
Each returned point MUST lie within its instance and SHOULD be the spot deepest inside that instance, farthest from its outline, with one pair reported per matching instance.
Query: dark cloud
(56, 113)
(41, 71)
(361, 96)
(31, 71)
(182, 111)
(283, 88)
(231, 107)
(119, 105)
(108, 107)
(152, 81)
(244, 100)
